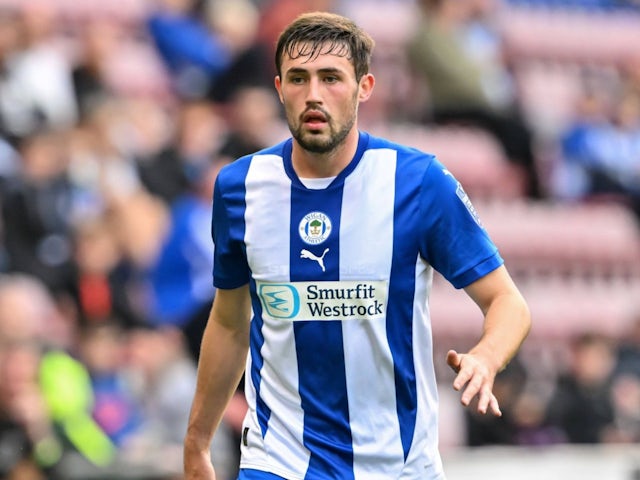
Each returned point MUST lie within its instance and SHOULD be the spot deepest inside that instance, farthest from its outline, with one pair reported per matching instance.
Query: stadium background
(114, 118)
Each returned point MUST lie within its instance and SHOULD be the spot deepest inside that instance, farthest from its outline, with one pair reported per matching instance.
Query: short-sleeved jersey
(340, 379)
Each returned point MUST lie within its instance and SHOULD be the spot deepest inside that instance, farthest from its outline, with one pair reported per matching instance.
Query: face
(321, 96)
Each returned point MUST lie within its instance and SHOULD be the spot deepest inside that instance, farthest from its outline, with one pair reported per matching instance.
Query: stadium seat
(389, 22)
(570, 34)
(74, 12)
(546, 237)
(472, 155)
(559, 83)
(561, 307)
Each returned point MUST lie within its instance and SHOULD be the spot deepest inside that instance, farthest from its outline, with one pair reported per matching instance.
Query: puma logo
(307, 254)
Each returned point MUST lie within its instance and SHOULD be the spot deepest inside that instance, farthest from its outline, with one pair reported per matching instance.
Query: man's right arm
(223, 355)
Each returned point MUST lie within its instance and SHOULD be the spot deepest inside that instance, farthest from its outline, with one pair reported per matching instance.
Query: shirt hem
(271, 469)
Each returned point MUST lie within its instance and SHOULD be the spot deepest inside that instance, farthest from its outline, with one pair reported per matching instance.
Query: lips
(314, 116)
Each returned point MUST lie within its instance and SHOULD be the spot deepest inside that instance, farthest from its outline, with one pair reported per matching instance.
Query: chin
(317, 143)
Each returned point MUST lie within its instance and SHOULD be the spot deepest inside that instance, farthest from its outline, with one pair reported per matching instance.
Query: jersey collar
(363, 141)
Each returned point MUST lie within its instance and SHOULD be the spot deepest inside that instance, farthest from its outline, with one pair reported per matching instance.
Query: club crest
(314, 228)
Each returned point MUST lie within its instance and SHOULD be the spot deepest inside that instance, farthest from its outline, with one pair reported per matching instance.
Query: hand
(30, 410)
(198, 466)
(474, 372)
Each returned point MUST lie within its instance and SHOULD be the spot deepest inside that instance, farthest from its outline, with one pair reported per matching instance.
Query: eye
(330, 79)
(297, 80)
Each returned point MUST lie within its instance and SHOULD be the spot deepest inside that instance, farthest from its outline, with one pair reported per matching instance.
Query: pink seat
(473, 156)
(564, 238)
(559, 84)
(390, 23)
(561, 307)
(570, 35)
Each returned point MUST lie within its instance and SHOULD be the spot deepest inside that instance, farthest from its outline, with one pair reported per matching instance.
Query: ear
(278, 84)
(367, 82)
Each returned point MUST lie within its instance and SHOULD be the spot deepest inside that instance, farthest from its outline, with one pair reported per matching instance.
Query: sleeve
(230, 266)
(453, 239)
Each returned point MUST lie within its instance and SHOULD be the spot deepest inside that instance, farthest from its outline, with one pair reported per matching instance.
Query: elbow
(525, 317)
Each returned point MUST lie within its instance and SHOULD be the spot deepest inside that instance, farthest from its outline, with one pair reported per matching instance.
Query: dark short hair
(312, 34)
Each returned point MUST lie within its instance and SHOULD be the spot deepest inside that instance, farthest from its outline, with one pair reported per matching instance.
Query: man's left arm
(507, 322)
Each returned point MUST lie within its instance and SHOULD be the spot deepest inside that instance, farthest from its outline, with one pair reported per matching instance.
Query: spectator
(625, 389)
(275, 15)
(102, 349)
(457, 88)
(180, 275)
(602, 152)
(99, 42)
(237, 23)
(37, 214)
(102, 277)
(165, 375)
(193, 53)
(43, 388)
(28, 444)
(172, 144)
(37, 92)
(625, 397)
(200, 133)
(530, 428)
(581, 404)
(158, 160)
(482, 430)
(101, 170)
(591, 112)
(139, 223)
(628, 351)
(10, 44)
(253, 120)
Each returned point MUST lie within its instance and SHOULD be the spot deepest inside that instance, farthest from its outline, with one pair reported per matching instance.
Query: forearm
(221, 365)
(506, 325)
(223, 356)
(506, 318)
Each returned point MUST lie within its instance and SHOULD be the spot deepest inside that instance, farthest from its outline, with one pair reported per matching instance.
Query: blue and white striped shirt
(340, 379)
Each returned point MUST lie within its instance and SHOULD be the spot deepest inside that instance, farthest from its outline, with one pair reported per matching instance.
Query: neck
(322, 165)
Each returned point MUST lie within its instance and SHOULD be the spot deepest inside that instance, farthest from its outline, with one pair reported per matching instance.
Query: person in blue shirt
(192, 52)
(325, 247)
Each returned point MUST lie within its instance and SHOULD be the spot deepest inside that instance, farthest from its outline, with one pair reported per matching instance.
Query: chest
(348, 231)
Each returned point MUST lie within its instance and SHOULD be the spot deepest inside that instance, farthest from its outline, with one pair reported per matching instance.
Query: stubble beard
(316, 141)
(319, 143)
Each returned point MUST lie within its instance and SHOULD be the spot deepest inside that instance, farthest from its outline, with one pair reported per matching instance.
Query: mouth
(314, 119)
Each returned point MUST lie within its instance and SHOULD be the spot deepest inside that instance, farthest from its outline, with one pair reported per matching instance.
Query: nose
(313, 92)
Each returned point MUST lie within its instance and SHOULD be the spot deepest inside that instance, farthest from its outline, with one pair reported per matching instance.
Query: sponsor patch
(462, 195)
(341, 300)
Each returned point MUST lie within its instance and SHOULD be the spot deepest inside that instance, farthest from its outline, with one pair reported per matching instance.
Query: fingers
(478, 381)
(487, 401)
(494, 407)
(454, 359)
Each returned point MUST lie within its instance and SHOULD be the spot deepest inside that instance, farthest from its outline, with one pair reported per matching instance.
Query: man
(339, 373)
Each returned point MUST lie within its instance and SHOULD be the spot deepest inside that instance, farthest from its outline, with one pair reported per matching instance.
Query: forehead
(306, 56)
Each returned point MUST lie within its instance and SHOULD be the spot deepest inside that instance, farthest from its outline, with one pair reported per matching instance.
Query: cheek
(292, 117)
(291, 102)
(348, 106)
(290, 111)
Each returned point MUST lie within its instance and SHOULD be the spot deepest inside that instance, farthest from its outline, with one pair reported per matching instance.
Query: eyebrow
(320, 70)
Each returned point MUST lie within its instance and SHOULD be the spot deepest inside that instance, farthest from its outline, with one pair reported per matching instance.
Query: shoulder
(418, 169)
(235, 173)
(409, 160)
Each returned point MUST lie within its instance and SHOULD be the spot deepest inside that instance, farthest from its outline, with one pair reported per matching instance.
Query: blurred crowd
(113, 128)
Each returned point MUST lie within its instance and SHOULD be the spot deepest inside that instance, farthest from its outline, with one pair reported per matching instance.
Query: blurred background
(115, 117)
